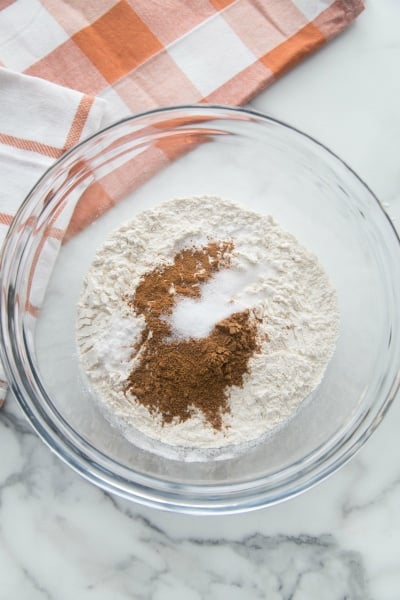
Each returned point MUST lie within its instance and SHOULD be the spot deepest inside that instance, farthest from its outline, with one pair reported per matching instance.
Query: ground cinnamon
(175, 375)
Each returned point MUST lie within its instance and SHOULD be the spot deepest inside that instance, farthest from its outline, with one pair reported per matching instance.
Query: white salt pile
(229, 291)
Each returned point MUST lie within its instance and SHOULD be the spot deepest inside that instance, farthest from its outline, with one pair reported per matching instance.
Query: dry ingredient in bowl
(204, 325)
(175, 375)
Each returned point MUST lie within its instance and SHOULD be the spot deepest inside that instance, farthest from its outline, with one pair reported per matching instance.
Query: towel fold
(38, 122)
(70, 67)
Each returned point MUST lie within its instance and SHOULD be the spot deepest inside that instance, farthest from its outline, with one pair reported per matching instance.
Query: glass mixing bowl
(264, 165)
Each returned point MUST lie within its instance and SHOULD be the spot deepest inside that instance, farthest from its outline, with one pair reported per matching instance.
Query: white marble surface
(61, 538)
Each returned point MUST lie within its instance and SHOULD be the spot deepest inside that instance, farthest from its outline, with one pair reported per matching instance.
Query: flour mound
(281, 283)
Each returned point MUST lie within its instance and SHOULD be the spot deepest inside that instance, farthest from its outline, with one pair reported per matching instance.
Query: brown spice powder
(175, 375)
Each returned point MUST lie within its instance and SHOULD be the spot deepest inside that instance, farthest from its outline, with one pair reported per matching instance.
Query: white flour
(271, 273)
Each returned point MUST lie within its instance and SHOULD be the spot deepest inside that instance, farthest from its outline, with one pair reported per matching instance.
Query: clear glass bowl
(267, 166)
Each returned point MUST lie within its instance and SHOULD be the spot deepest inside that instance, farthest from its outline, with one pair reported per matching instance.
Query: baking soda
(221, 296)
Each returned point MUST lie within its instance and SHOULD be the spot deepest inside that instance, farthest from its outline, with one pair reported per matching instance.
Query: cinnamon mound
(176, 375)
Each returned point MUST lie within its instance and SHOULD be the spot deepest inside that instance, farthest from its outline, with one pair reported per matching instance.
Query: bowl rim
(209, 500)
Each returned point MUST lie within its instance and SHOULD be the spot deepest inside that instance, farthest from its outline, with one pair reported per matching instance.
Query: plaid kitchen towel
(134, 55)
(140, 54)
(38, 122)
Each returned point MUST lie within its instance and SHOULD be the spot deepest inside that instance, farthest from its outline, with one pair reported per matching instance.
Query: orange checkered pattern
(141, 54)
(69, 66)
(153, 53)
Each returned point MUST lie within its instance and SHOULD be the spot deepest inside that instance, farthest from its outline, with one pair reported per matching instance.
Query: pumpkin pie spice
(175, 376)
